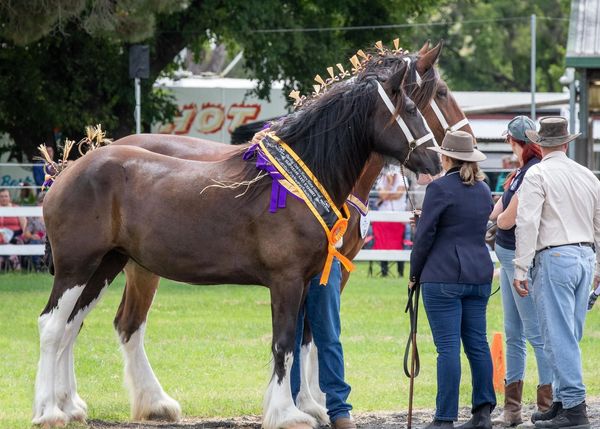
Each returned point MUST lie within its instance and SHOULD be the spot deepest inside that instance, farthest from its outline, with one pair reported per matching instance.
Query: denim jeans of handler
(322, 307)
(455, 312)
(520, 323)
(562, 277)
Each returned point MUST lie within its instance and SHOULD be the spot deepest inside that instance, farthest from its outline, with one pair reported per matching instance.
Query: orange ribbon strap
(334, 236)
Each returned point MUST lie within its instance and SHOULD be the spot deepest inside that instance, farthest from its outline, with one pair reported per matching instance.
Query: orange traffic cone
(497, 351)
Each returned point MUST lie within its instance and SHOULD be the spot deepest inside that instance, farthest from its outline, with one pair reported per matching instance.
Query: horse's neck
(370, 172)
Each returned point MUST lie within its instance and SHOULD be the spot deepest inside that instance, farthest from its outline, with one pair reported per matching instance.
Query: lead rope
(412, 308)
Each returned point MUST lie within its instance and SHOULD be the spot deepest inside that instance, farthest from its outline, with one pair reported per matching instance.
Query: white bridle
(436, 109)
(412, 142)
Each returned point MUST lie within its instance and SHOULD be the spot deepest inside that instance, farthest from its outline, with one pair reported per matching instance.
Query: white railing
(363, 255)
(21, 249)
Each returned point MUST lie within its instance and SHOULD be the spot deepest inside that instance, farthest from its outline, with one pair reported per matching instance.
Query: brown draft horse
(150, 208)
(141, 285)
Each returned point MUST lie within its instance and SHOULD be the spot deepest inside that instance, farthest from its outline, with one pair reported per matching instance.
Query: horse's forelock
(330, 132)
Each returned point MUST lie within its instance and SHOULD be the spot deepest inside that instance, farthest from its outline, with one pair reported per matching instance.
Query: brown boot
(544, 397)
(344, 423)
(511, 416)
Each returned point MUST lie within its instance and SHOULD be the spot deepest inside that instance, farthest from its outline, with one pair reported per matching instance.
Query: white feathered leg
(52, 329)
(305, 400)
(312, 374)
(148, 399)
(279, 410)
(66, 387)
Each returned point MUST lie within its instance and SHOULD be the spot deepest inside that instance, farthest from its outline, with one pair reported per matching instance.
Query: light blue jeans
(520, 323)
(562, 277)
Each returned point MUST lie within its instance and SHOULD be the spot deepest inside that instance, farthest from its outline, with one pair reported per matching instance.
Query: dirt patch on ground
(385, 420)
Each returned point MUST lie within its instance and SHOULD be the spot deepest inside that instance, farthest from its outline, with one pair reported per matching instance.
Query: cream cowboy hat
(459, 145)
(553, 132)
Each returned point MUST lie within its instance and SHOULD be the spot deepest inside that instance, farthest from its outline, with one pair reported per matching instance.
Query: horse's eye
(411, 110)
(442, 92)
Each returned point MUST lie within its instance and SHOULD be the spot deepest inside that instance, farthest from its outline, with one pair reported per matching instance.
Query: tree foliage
(67, 63)
(487, 42)
(64, 63)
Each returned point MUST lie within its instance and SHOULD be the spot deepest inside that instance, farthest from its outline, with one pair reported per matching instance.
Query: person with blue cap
(520, 319)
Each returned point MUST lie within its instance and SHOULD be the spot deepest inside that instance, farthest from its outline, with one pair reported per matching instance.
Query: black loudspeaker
(139, 61)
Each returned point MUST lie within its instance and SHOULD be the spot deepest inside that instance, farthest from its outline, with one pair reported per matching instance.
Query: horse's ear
(428, 60)
(394, 82)
(424, 48)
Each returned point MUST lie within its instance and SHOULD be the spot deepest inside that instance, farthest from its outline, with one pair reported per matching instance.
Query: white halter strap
(436, 109)
(412, 143)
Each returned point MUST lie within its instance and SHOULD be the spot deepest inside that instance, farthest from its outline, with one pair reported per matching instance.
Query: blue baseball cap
(517, 127)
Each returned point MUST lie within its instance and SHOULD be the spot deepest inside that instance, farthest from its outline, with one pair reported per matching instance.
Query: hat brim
(475, 156)
(539, 140)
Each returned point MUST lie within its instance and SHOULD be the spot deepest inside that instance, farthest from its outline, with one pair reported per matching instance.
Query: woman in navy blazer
(452, 263)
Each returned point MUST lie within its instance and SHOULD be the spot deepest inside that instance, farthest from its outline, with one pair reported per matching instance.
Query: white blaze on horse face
(279, 410)
(52, 328)
(148, 399)
(66, 384)
(309, 374)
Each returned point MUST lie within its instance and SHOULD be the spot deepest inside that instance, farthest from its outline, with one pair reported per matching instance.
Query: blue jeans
(562, 277)
(520, 323)
(322, 307)
(455, 312)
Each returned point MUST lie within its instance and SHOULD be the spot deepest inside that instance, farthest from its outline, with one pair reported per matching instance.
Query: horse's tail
(47, 259)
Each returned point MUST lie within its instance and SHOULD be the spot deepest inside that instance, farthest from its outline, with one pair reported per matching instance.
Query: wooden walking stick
(412, 308)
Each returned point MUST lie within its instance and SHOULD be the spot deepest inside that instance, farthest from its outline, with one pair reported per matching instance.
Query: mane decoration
(359, 62)
(95, 138)
(52, 168)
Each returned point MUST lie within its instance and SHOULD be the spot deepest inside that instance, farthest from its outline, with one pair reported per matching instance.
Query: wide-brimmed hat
(553, 132)
(517, 126)
(459, 145)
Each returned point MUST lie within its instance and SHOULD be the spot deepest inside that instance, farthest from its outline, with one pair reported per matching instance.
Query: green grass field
(210, 348)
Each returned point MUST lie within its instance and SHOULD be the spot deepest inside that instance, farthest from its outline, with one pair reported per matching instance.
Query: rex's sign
(211, 108)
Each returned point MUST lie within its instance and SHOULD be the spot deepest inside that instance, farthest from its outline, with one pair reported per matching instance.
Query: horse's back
(180, 146)
(174, 218)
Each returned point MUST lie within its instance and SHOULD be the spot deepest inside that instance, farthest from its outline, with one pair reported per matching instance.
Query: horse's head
(432, 95)
(400, 129)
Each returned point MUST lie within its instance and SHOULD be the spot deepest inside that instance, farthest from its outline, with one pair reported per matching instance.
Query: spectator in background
(35, 232)
(27, 195)
(39, 174)
(392, 197)
(11, 229)
(509, 162)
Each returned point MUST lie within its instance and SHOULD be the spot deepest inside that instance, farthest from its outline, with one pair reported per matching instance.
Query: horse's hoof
(165, 409)
(299, 426)
(311, 407)
(289, 418)
(76, 414)
(51, 418)
(80, 403)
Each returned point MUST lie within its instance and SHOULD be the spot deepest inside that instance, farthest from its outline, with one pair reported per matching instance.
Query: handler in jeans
(322, 307)
(558, 224)
(451, 261)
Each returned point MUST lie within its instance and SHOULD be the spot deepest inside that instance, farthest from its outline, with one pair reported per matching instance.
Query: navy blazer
(449, 244)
